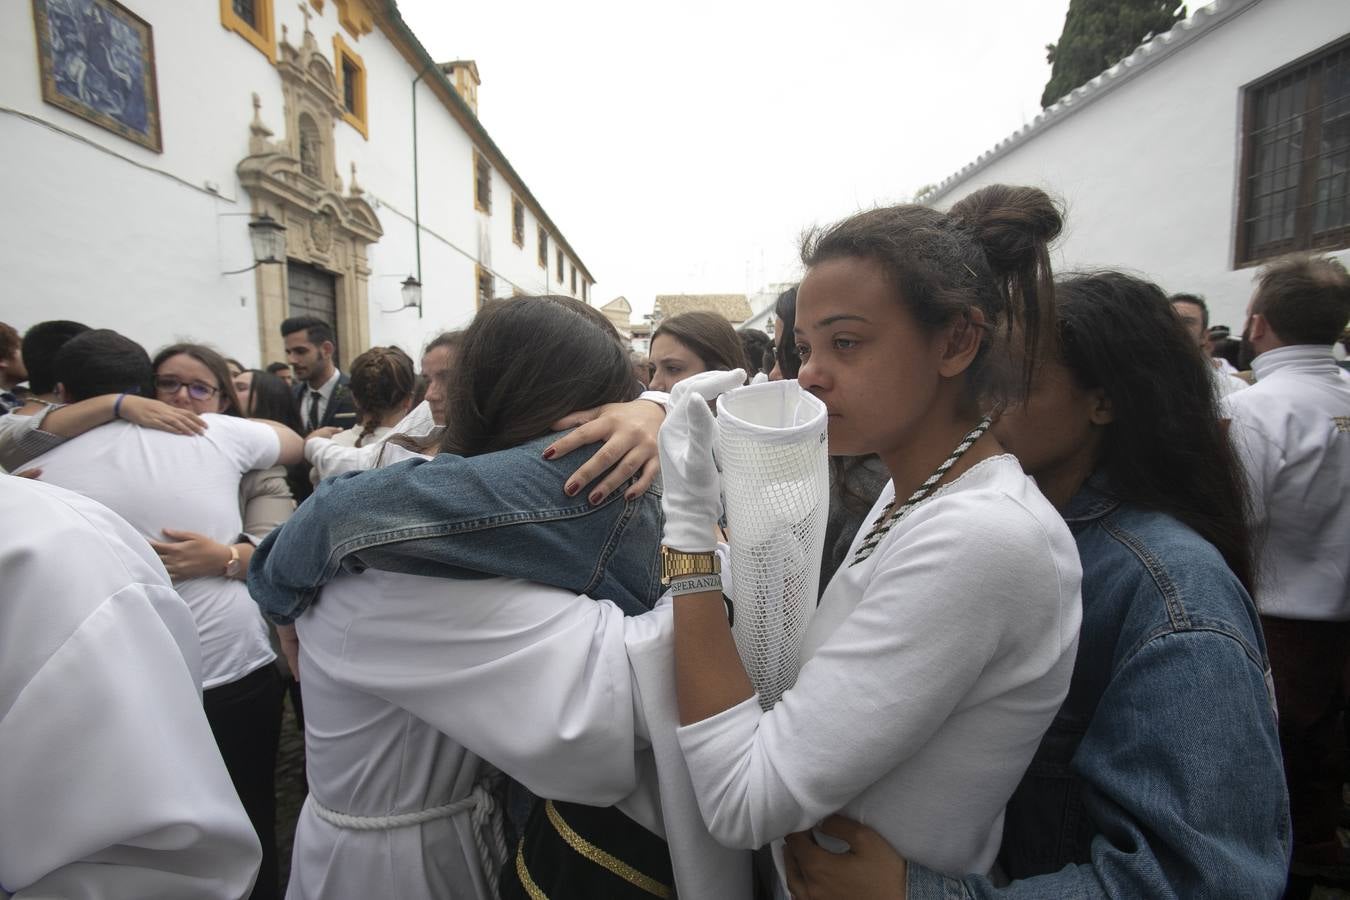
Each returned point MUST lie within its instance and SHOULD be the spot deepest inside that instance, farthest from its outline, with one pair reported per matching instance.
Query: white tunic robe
(111, 783)
(410, 683)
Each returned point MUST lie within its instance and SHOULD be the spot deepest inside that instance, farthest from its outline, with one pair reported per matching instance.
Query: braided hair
(382, 380)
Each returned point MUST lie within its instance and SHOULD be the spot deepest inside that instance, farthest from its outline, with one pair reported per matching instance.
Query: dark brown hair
(451, 339)
(1305, 299)
(381, 380)
(990, 253)
(9, 340)
(213, 361)
(708, 336)
(527, 362)
(1164, 448)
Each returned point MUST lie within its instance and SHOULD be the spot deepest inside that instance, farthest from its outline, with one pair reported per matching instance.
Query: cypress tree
(1100, 33)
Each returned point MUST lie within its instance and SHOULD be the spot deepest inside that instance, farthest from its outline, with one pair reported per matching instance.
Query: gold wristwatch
(677, 564)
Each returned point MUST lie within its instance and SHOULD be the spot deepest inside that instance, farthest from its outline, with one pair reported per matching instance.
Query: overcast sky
(684, 149)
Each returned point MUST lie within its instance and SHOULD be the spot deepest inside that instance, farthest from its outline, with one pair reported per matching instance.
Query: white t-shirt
(112, 784)
(931, 670)
(157, 480)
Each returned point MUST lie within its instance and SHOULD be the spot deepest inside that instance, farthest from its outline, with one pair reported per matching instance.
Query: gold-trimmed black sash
(570, 851)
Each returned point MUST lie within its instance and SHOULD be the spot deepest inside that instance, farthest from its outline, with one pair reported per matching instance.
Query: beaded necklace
(893, 514)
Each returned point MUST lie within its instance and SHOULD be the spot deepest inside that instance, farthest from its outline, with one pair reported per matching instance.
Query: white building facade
(1211, 149)
(300, 111)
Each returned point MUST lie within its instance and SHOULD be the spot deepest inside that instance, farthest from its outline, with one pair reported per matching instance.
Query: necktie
(314, 398)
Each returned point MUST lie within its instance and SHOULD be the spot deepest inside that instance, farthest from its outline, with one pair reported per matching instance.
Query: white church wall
(104, 231)
(1149, 172)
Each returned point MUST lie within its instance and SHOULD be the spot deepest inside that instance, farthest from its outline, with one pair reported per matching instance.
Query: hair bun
(1012, 224)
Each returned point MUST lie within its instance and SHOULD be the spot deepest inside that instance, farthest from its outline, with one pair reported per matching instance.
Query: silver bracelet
(695, 584)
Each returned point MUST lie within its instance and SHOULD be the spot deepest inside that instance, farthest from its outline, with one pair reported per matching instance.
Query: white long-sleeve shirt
(111, 785)
(931, 670)
(1292, 433)
(332, 457)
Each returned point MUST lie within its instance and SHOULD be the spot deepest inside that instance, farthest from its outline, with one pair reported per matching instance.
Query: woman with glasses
(196, 378)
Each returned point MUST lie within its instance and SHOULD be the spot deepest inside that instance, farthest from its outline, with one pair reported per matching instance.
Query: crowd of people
(1082, 627)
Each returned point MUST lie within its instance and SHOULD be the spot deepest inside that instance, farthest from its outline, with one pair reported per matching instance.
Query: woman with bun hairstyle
(690, 343)
(1161, 775)
(943, 647)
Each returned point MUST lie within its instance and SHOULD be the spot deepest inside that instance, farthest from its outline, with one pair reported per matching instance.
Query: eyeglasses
(169, 385)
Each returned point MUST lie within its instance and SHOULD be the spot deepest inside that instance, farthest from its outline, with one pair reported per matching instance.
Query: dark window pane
(350, 74)
(1296, 178)
(246, 10)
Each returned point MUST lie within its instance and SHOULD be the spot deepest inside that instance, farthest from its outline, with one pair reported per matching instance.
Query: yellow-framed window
(482, 183)
(485, 286)
(543, 250)
(517, 221)
(253, 21)
(351, 82)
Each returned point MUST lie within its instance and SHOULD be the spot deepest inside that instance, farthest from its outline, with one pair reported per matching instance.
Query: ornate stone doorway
(295, 180)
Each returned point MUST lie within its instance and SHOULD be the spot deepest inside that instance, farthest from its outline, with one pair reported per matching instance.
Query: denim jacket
(1161, 775)
(496, 514)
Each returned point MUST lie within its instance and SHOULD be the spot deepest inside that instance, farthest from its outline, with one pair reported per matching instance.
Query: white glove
(760, 378)
(691, 487)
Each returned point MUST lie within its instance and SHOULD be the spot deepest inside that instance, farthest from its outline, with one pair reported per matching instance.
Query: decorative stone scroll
(296, 181)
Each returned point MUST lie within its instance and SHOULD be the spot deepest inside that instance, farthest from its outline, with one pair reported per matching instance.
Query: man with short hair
(1194, 316)
(321, 390)
(1292, 430)
(282, 371)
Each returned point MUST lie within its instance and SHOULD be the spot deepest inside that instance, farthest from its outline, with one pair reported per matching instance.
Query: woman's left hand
(187, 554)
(629, 432)
(869, 870)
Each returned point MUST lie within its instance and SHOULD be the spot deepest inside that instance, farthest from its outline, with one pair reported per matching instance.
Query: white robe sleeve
(112, 784)
(534, 680)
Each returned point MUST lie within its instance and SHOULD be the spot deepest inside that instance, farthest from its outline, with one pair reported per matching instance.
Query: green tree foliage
(1100, 33)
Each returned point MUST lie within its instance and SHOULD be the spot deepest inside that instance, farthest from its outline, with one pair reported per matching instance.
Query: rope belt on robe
(486, 826)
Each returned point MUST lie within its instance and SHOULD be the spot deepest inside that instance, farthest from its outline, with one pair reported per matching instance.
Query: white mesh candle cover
(775, 484)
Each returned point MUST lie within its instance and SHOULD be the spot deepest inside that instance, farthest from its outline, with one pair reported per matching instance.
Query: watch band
(677, 563)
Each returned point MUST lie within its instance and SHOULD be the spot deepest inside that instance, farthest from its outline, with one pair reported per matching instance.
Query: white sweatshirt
(932, 669)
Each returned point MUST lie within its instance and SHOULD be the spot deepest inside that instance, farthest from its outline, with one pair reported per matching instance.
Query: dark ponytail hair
(382, 379)
(1164, 448)
(990, 253)
(525, 363)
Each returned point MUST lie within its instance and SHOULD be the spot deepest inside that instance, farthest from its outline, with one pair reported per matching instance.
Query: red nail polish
(548, 454)
(595, 498)
(571, 488)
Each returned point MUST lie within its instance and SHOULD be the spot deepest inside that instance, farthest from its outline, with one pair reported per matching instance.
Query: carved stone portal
(295, 180)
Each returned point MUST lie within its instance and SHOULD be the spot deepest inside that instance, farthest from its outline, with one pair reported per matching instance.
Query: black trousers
(245, 717)
(1310, 661)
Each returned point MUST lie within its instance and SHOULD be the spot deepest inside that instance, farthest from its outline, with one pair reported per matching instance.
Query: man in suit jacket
(321, 391)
